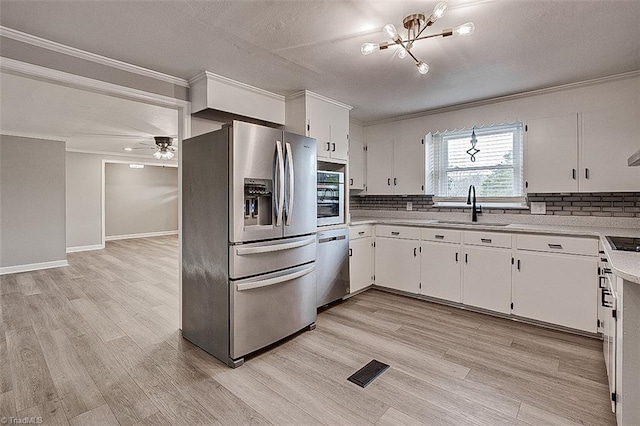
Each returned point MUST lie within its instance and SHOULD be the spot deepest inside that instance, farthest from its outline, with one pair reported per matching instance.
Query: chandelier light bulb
(369, 48)
(422, 67)
(402, 53)
(464, 29)
(438, 11)
(390, 31)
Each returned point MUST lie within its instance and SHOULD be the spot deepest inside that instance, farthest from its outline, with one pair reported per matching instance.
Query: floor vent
(368, 373)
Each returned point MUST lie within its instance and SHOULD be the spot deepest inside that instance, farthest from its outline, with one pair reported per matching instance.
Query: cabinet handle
(601, 282)
(388, 181)
(415, 252)
(486, 240)
(333, 147)
(351, 182)
(466, 258)
(360, 232)
(439, 237)
(555, 246)
(395, 233)
(518, 264)
(395, 181)
(605, 304)
(586, 173)
(350, 252)
(456, 257)
(573, 173)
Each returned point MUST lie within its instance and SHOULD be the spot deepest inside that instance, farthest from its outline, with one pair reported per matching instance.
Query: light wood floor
(98, 343)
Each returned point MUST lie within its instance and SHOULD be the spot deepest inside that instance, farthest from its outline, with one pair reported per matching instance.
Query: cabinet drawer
(489, 239)
(558, 244)
(443, 235)
(359, 231)
(403, 232)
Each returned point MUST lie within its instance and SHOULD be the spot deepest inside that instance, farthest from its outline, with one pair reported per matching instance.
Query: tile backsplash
(601, 204)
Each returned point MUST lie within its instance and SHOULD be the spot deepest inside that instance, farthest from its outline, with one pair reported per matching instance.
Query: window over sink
(496, 173)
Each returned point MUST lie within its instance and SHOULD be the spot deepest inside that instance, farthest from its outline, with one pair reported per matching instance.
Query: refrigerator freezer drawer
(270, 307)
(246, 260)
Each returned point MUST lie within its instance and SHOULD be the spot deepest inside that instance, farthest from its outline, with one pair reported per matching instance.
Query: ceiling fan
(164, 148)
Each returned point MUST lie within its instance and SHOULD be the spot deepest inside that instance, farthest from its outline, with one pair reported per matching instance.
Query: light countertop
(623, 263)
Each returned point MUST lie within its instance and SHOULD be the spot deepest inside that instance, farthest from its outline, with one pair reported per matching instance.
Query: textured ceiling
(286, 46)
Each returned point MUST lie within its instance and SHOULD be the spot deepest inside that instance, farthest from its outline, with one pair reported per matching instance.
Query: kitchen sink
(454, 222)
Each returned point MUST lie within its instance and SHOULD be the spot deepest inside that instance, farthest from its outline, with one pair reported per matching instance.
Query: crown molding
(356, 121)
(76, 81)
(319, 97)
(515, 96)
(34, 135)
(225, 80)
(88, 56)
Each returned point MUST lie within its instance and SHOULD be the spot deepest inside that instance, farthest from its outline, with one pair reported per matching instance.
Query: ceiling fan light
(438, 11)
(369, 48)
(422, 67)
(157, 155)
(390, 31)
(167, 155)
(464, 29)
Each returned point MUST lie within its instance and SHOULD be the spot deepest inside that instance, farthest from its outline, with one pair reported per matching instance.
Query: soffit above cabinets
(287, 46)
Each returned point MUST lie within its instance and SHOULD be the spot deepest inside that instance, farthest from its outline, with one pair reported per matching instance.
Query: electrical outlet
(538, 207)
(409, 206)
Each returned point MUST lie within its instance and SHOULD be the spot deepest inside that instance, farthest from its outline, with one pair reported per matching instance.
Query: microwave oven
(330, 198)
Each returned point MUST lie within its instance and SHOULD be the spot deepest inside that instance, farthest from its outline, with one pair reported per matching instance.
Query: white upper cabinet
(356, 165)
(551, 154)
(396, 167)
(609, 137)
(321, 118)
(583, 152)
(380, 167)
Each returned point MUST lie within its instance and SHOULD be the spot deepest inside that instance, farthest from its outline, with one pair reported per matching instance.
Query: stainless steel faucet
(472, 201)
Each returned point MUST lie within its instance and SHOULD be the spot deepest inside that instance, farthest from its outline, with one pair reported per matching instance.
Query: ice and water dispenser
(257, 201)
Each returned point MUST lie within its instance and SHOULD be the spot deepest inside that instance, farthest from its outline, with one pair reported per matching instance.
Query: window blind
(497, 173)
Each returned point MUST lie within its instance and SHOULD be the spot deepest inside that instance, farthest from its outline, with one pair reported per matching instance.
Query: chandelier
(165, 150)
(415, 24)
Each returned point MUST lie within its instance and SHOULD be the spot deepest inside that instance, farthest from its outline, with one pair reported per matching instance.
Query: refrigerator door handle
(243, 251)
(279, 176)
(290, 189)
(275, 280)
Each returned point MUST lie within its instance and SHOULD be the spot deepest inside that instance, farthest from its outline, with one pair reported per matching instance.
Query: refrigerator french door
(273, 184)
(248, 241)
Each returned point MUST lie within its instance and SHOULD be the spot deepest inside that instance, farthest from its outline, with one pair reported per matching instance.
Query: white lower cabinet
(360, 263)
(440, 270)
(548, 278)
(486, 278)
(397, 264)
(556, 288)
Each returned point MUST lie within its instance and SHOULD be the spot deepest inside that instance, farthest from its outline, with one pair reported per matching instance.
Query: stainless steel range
(248, 241)
(624, 243)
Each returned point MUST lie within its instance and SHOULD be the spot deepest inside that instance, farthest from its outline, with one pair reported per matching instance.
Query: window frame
(439, 154)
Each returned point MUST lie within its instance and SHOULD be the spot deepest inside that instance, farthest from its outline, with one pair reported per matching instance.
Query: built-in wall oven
(330, 198)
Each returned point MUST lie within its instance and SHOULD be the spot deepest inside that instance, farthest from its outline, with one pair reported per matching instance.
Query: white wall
(32, 204)
(84, 197)
(582, 98)
(140, 201)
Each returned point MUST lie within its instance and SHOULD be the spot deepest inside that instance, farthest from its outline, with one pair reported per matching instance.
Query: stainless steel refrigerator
(248, 238)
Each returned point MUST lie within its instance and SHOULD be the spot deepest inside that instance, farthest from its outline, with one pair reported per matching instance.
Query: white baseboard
(85, 248)
(32, 267)
(144, 235)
